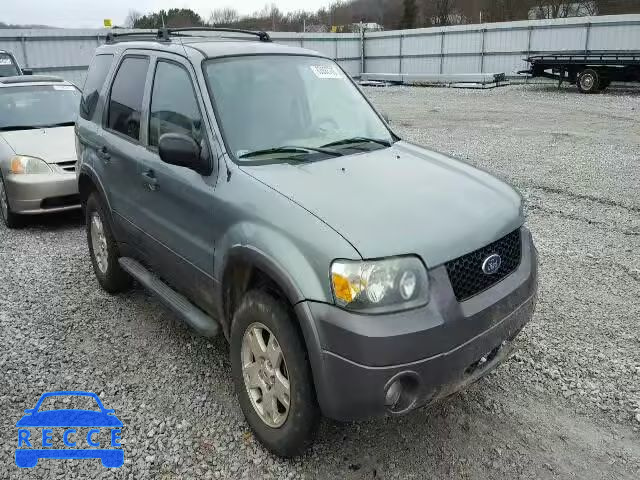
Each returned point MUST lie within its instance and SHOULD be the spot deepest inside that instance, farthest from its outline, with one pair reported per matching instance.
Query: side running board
(178, 303)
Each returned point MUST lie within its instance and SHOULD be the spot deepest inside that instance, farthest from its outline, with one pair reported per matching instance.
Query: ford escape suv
(253, 188)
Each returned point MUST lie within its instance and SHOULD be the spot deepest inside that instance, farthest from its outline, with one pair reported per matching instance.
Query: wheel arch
(88, 182)
(246, 267)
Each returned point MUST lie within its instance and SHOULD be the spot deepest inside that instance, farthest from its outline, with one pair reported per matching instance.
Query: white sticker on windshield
(326, 71)
(5, 61)
(64, 87)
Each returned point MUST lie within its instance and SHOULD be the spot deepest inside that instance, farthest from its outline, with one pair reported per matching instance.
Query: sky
(90, 13)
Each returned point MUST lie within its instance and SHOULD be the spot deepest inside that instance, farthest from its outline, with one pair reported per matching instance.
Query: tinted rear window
(8, 67)
(96, 76)
(125, 104)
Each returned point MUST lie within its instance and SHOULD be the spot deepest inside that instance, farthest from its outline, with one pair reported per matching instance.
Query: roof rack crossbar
(263, 36)
(113, 37)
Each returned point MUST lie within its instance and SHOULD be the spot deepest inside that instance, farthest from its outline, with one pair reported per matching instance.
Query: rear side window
(174, 108)
(125, 103)
(8, 67)
(96, 76)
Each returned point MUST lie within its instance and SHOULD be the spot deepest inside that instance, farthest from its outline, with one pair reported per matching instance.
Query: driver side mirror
(27, 71)
(183, 151)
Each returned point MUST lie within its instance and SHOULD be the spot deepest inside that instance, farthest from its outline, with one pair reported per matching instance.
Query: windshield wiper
(291, 149)
(348, 141)
(61, 124)
(18, 127)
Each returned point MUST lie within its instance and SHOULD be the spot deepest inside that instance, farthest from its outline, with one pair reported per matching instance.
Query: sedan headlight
(376, 286)
(22, 164)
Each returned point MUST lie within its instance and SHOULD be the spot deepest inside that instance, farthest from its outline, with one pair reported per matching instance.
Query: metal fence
(496, 47)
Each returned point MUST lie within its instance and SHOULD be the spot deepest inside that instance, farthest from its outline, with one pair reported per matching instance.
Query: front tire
(103, 248)
(588, 81)
(272, 375)
(10, 219)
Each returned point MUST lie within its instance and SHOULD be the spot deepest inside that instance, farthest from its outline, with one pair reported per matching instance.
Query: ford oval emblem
(491, 264)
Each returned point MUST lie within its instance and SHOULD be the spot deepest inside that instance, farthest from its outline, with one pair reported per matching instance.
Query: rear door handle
(150, 180)
(104, 154)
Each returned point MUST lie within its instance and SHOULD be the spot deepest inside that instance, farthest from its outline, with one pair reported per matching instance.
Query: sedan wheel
(265, 375)
(4, 204)
(10, 219)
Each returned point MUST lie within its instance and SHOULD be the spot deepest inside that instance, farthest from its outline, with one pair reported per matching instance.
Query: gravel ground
(566, 405)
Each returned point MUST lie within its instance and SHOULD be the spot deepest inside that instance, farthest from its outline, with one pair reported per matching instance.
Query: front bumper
(433, 351)
(42, 193)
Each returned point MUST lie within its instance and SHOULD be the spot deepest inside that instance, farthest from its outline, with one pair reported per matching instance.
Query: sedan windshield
(36, 106)
(277, 106)
(8, 67)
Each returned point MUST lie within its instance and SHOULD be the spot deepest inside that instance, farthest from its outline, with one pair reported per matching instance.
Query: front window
(38, 106)
(275, 106)
(8, 67)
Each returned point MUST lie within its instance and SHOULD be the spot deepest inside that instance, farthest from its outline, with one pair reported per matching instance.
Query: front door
(176, 203)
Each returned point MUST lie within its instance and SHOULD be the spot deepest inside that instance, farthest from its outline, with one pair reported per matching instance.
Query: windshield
(8, 67)
(269, 102)
(37, 106)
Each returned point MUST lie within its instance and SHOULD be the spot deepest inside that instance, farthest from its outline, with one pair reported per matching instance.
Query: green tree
(174, 17)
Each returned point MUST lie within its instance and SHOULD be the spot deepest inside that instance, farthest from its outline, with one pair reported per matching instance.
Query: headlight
(21, 164)
(376, 286)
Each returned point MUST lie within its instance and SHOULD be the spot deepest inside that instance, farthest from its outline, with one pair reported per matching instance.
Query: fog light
(393, 394)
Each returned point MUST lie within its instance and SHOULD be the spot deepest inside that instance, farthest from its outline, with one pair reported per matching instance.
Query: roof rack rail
(113, 37)
(263, 36)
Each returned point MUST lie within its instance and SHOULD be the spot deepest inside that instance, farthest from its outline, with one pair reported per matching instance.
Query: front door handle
(150, 180)
(103, 153)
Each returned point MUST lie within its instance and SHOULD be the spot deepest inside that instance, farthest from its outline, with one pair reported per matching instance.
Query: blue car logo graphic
(74, 422)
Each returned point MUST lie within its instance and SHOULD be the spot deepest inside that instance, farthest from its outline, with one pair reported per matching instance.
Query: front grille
(466, 275)
(69, 166)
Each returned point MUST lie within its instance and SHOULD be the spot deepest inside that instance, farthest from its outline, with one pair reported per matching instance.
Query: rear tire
(10, 219)
(588, 81)
(103, 248)
(292, 429)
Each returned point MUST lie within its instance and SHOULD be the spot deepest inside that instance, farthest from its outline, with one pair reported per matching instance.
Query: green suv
(255, 190)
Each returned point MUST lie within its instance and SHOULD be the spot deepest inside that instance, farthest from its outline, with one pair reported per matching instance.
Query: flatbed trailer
(591, 71)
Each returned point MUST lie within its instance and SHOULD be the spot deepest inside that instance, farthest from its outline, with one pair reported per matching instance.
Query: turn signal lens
(341, 288)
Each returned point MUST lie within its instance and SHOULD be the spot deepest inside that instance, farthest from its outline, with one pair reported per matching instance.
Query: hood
(69, 418)
(401, 200)
(52, 145)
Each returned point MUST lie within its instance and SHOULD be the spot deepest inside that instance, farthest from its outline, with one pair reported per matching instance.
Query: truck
(590, 71)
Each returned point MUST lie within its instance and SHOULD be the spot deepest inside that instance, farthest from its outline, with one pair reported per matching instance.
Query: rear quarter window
(8, 68)
(93, 84)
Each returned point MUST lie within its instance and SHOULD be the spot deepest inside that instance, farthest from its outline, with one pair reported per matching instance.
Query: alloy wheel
(99, 242)
(265, 375)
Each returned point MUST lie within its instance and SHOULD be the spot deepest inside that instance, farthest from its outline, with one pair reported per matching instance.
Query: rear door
(176, 203)
(121, 146)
